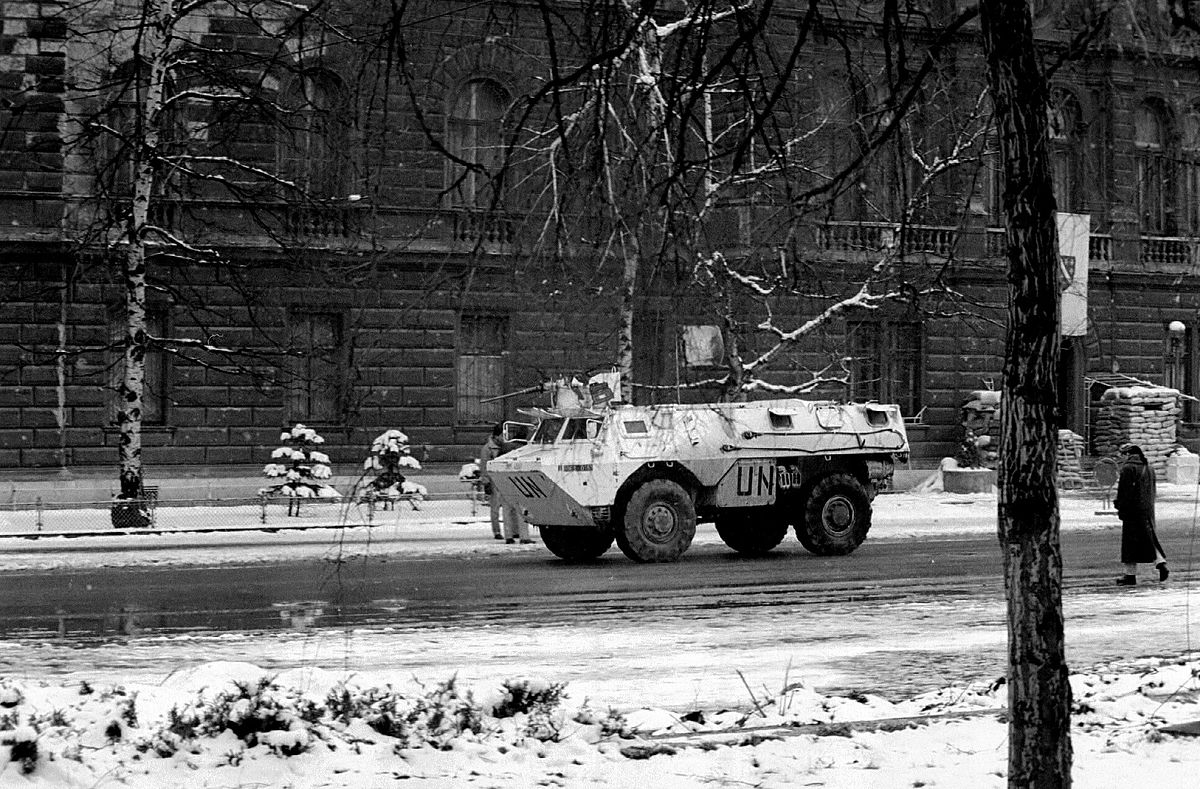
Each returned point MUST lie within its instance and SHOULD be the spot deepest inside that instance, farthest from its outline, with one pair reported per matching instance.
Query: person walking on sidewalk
(1135, 507)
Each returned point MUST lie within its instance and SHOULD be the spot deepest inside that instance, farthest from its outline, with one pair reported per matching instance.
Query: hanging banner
(1074, 233)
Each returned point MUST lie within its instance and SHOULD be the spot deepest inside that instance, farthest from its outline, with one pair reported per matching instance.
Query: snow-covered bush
(10, 694)
(258, 713)
(300, 468)
(390, 454)
(469, 471)
(538, 701)
(22, 742)
(435, 718)
(610, 723)
(526, 695)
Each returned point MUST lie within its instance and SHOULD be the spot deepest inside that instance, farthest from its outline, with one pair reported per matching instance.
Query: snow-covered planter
(956, 479)
(390, 455)
(300, 469)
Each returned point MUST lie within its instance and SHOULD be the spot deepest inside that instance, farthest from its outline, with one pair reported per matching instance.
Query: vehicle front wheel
(576, 543)
(659, 522)
(837, 516)
(751, 532)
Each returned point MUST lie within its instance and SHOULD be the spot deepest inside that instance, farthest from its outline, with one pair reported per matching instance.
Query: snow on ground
(229, 723)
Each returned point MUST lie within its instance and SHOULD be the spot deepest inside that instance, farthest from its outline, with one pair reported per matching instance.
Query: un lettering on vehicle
(750, 483)
(529, 487)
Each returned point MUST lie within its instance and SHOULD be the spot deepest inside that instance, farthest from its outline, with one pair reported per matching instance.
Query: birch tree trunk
(1039, 733)
(156, 33)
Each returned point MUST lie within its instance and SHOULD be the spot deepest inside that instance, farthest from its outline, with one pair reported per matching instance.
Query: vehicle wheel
(659, 522)
(576, 543)
(751, 532)
(837, 515)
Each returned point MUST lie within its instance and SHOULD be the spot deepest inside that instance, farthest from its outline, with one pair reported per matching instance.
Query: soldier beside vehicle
(514, 526)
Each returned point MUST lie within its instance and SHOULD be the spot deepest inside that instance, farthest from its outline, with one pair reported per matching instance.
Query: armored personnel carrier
(644, 475)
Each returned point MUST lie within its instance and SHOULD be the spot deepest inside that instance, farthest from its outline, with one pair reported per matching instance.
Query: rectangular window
(156, 383)
(317, 383)
(885, 363)
(482, 340)
(1153, 179)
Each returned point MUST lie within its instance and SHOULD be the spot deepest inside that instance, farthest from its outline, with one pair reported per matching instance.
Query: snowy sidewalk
(444, 526)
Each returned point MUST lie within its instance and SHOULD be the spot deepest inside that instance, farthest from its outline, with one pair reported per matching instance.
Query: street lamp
(1176, 330)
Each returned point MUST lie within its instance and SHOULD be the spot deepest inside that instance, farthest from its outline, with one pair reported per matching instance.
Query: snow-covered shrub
(537, 704)
(300, 468)
(434, 718)
(10, 694)
(23, 747)
(527, 695)
(443, 714)
(258, 713)
(612, 722)
(390, 454)
(469, 471)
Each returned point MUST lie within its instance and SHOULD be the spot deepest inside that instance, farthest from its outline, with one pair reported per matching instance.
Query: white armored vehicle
(644, 475)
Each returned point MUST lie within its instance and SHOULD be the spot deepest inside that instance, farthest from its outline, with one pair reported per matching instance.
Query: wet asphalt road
(527, 586)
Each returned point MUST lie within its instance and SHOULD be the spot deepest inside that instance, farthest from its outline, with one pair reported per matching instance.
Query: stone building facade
(392, 300)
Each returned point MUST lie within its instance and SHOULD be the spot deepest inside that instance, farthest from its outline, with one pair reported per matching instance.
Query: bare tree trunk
(626, 307)
(133, 274)
(60, 364)
(1039, 727)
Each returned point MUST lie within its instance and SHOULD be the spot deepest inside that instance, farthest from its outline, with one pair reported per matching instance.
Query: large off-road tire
(576, 543)
(751, 531)
(659, 522)
(837, 516)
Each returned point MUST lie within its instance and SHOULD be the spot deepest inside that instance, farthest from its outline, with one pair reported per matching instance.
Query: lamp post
(1175, 332)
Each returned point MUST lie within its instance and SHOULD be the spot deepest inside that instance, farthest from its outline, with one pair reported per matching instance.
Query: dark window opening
(886, 363)
(482, 340)
(319, 372)
(475, 135)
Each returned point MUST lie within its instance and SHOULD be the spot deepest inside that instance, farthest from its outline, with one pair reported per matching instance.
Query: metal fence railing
(258, 512)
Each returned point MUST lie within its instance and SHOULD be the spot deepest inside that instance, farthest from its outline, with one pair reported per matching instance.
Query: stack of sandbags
(1070, 450)
(1139, 415)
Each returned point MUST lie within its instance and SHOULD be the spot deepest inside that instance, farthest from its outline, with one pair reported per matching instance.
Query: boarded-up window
(317, 383)
(481, 368)
(156, 384)
(885, 363)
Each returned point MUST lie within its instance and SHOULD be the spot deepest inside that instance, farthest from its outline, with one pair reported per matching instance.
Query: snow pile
(232, 724)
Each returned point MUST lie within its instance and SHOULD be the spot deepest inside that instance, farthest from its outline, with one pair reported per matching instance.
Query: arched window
(1190, 175)
(1066, 150)
(1153, 170)
(127, 123)
(314, 138)
(475, 135)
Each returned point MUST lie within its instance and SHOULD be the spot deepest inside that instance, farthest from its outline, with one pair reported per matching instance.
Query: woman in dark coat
(1135, 506)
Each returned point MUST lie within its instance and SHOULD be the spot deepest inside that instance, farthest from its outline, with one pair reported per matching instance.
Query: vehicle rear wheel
(837, 516)
(576, 543)
(752, 531)
(659, 522)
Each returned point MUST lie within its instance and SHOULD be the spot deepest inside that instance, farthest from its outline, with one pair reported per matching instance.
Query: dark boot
(1163, 572)
(1127, 580)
